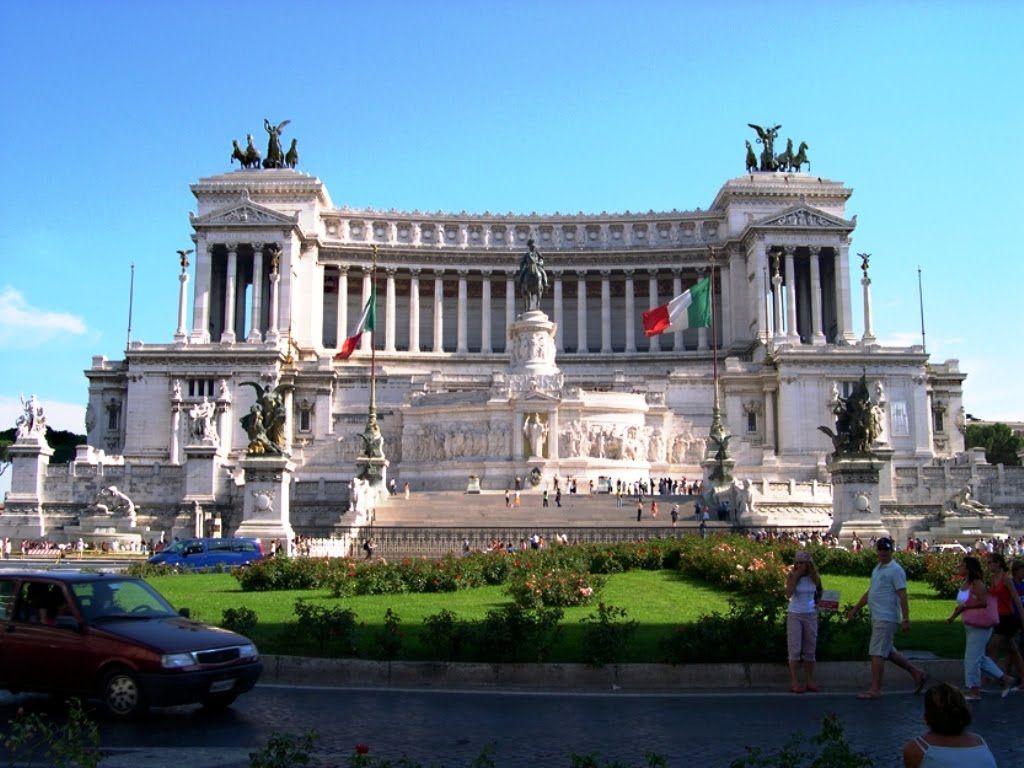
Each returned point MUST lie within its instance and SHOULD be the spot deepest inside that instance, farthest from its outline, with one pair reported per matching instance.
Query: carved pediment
(245, 214)
(805, 217)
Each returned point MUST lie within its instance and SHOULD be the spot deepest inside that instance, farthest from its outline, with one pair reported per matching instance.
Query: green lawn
(658, 600)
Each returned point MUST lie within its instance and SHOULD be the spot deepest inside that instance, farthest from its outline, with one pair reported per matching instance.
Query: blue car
(209, 554)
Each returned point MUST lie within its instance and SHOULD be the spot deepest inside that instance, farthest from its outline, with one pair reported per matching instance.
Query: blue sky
(111, 109)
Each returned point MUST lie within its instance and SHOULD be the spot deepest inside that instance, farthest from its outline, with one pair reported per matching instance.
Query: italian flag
(690, 309)
(367, 322)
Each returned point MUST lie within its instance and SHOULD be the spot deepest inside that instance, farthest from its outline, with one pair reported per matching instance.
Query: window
(751, 421)
(900, 418)
(939, 420)
(113, 416)
(200, 388)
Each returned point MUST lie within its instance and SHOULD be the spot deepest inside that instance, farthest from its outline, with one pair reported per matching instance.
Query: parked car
(208, 554)
(116, 638)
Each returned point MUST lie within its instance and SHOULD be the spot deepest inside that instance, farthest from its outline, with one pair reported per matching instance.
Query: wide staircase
(433, 524)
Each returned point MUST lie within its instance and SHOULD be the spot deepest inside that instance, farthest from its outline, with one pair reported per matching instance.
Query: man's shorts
(1008, 626)
(883, 637)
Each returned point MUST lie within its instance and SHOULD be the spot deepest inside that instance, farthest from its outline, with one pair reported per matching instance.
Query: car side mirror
(68, 622)
(185, 613)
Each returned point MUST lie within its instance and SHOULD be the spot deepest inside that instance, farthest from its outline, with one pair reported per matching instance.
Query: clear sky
(111, 109)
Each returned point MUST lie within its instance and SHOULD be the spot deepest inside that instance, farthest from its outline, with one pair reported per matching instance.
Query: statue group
(858, 421)
(787, 160)
(265, 422)
(31, 421)
(276, 157)
(531, 279)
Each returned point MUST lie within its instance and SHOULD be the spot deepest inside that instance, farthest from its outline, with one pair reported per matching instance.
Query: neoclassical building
(280, 274)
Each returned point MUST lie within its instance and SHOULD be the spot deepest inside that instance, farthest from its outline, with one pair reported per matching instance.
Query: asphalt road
(526, 728)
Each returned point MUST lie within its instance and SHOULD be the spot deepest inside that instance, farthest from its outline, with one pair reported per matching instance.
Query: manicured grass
(658, 600)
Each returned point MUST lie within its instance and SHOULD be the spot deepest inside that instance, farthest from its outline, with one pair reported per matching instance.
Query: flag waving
(367, 322)
(690, 309)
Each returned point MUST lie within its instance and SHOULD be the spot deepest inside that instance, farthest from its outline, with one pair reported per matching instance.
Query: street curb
(357, 673)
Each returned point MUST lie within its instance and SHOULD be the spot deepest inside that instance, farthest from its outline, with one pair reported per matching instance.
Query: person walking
(803, 590)
(887, 600)
(674, 514)
(544, 501)
(639, 510)
(947, 742)
(654, 510)
(979, 613)
(508, 498)
(1004, 591)
(558, 497)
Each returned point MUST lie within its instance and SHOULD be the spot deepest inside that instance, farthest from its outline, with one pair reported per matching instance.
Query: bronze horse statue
(531, 278)
(797, 160)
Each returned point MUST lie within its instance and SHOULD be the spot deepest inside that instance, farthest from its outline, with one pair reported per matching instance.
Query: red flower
(362, 749)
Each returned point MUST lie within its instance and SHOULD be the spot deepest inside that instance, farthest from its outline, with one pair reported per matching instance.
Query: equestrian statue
(531, 279)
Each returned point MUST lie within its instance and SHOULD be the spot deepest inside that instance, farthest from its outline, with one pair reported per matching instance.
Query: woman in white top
(803, 588)
(947, 743)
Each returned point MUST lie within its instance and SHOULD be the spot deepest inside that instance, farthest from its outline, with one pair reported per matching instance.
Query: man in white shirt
(887, 599)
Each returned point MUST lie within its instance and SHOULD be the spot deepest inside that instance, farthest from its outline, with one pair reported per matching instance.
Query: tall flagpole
(920, 301)
(373, 338)
(718, 463)
(131, 304)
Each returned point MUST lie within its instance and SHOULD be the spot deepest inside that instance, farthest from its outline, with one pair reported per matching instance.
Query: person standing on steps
(639, 510)
(887, 600)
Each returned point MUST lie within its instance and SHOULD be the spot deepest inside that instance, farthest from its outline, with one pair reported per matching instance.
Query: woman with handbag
(979, 614)
(1004, 592)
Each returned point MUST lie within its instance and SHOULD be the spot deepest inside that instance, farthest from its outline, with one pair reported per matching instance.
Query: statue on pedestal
(32, 421)
(202, 426)
(265, 422)
(275, 154)
(857, 422)
(536, 432)
(531, 278)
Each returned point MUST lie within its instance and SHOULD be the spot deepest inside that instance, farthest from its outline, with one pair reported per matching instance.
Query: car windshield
(119, 599)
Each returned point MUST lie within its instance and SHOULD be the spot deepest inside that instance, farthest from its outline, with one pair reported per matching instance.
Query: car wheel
(219, 700)
(122, 695)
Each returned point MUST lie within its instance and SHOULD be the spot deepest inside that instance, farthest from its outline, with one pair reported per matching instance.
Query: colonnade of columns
(808, 290)
(478, 313)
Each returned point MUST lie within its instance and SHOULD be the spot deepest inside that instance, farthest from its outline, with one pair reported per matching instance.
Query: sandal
(797, 689)
(812, 688)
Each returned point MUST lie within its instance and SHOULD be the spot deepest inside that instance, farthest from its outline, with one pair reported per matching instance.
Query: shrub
(241, 620)
(538, 583)
(284, 573)
(942, 572)
(746, 633)
(333, 629)
(145, 570)
(445, 635)
(389, 638)
(284, 750)
(607, 635)
(829, 749)
(514, 633)
(73, 743)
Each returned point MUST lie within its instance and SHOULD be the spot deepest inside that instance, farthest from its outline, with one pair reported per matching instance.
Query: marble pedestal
(266, 510)
(856, 497)
(23, 516)
(963, 528)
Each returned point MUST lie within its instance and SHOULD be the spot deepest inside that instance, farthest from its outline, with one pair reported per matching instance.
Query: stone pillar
(389, 311)
(486, 345)
(677, 288)
(273, 334)
(342, 333)
(792, 335)
(856, 497)
(175, 447)
(869, 333)
(553, 434)
(845, 309)
(725, 308)
(255, 336)
(414, 310)
(228, 334)
(760, 299)
(510, 304)
(817, 337)
(364, 341)
(779, 335)
(181, 335)
(630, 313)
(461, 342)
(266, 511)
(770, 439)
(652, 296)
(581, 312)
(606, 311)
(439, 310)
(201, 296)
(558, 310)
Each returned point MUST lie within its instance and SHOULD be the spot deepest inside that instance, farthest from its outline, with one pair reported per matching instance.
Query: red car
(114, 637)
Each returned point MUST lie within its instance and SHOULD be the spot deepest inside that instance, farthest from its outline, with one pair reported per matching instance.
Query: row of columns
(486, 331)
(787, 332)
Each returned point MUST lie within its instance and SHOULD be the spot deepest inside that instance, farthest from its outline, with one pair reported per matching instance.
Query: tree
(1000, 443)
(61, 441)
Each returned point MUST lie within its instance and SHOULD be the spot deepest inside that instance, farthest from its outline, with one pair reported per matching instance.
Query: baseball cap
(884, 543)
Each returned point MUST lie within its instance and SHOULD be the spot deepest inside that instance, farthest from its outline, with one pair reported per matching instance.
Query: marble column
(342, 333)
(581, 312)
(845, 306)
(461, 342)
(630, 313)
(817, 337)
(227, 336)
(677, 288)
(652, 301)
(510, 304)
(757, 266)
(792, 335)
(181, 335)
(414, 310)
(724, 305)
(869, 331)
(553, 429)
(364, 341)
(770, 438)
(486, 344)
(255, 337)
(201, 291)
(389, 311)
(779, 334)
(439, 310)
(606, 311)
(175, 430)
(273, 332)
(558, 310)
